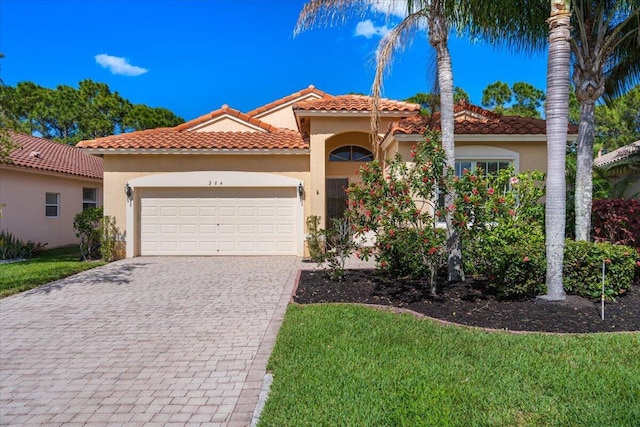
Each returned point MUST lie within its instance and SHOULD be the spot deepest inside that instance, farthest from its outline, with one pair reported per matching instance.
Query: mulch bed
(468, 303)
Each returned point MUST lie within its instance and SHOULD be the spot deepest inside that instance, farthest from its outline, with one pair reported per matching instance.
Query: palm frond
(328, 12)
(396, 40)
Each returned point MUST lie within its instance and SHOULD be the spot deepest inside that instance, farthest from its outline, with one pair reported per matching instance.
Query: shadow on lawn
(117, 273)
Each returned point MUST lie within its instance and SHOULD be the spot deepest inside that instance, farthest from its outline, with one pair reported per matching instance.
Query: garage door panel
(168, 211)
(188, 211)
(208, 211)
(188, 229)
(168, 229)
(218, 222)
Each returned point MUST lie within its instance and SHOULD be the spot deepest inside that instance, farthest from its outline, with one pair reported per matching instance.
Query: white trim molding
(487, 152)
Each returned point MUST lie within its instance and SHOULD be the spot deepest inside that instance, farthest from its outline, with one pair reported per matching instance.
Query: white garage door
(218, 221)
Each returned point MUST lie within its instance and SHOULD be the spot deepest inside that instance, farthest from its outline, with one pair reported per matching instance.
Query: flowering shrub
(500, 220)
(397, 205)
(616, 221)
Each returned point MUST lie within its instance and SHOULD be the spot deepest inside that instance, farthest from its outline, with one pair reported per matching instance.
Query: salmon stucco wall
(119, 169)
(23, 194)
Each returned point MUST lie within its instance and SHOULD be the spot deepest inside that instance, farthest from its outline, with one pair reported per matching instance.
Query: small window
(52, 205)
(89, 198)
(487, 166)
(350, 153)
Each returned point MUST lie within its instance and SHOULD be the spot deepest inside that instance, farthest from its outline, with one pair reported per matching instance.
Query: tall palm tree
(419, 12)
(557, 115)
(606, 60)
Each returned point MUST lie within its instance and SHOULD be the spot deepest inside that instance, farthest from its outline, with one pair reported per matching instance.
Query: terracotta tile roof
(474, 120)
(617, 155)
(222, 111)
(358, 103)
(173, 138)
(45, 155)
(288, 98)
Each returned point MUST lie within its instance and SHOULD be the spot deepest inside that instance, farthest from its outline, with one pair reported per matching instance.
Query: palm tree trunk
(557, 122)
(438, 35)
(584, 170)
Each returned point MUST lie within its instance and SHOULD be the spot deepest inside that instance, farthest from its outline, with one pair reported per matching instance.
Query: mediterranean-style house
(43, 185)
(234, 183)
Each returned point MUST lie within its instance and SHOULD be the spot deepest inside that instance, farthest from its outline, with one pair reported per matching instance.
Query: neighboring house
(43, 185)
(622, 169)
(233, 183)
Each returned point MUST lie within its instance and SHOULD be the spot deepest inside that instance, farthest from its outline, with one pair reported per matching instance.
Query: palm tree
(606, 60)
(419, 12)
(557, 115)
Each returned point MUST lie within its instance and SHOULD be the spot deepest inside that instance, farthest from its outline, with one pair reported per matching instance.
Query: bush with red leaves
(617, 221)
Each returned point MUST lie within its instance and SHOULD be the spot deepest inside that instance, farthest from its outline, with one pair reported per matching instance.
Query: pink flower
(433, 251)
(512, 212)
(514, 180)
(490, 191)
(525, 259)
(474, 191)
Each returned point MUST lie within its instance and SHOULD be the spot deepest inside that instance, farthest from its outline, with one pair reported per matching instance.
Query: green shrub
(13, 248)
(583, 268)
(88, 225)
(511, 259)
(340, 245)
(109, 235)
(500, 220)
(315, 239)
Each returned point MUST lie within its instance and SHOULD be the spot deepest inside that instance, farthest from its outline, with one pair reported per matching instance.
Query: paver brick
(142, 340)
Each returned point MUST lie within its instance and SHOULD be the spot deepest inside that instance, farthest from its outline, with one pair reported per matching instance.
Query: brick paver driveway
(144, 341)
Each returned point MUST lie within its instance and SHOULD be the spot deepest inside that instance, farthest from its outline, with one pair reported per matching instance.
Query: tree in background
(70, 115)
(430, 102)
(6, 144)
(606, 59)
(618, 121)
(521, 99)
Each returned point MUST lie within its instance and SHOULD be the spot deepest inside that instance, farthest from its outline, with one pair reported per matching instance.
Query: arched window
(350, 153)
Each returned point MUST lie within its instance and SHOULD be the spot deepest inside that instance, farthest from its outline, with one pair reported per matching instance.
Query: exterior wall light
(128, 191)
(300, 190)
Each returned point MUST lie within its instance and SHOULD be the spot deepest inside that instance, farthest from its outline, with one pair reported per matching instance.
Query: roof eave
(350, 113)
(187, 151)
(48, 172)
(484, 137)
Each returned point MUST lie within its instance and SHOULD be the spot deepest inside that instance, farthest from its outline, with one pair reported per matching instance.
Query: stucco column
(317, 196)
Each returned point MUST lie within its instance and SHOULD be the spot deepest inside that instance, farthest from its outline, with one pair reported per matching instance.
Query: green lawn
(49, 265)
(342, 365)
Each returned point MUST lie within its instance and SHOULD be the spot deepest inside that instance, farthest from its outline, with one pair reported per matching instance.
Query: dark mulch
(468, 303)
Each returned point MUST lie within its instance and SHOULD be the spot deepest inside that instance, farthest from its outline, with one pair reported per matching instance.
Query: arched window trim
(365, 155)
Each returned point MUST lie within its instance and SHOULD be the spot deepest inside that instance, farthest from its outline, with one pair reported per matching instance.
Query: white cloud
(368, 29)
(119, 65)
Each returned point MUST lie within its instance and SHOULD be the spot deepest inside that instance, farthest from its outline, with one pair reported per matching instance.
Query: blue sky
(192, 56)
